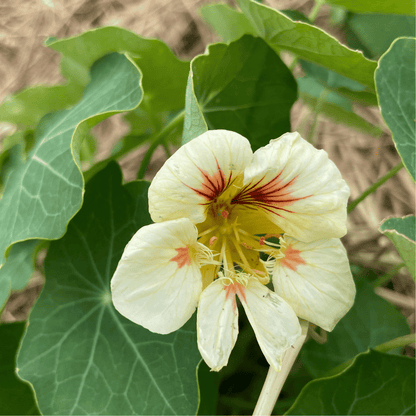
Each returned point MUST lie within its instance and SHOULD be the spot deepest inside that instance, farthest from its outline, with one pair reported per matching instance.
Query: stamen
(208, 231)
(203, 255)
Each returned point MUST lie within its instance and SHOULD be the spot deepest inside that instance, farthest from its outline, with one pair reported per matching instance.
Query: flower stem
(275, 380)
(396, 343)
(158, 140)
(374, 187)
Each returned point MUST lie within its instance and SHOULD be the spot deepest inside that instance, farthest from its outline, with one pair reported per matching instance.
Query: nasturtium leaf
(333, 106)
(16, 396)
(401, 232)
(228, 22)
(79, 353)
(395, 81)
(370, 322)
(344, 86)
(379, 6)
(164, 75)
(244, 87)
(375, 384)
(44, 193)
(374, 33)
(26, 108)
(15, 274)
(308, 42)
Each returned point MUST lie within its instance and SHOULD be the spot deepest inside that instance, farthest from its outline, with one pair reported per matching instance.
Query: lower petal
(157, 283)
(315, 279)
(273, 320)
(217, 323)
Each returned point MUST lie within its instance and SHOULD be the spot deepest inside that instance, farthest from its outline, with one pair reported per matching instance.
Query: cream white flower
(216, 207)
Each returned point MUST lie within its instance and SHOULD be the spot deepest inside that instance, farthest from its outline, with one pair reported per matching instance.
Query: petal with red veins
(274, 322)
(157, 283)
(217, 323)
(297, 187)
(196, 174)
(315, 279)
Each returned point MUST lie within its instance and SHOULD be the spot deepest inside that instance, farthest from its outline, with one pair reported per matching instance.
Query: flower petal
(197, 173)
(273, 320)
(157, 283)
(217, 323)
(315, 279)
(298, 188)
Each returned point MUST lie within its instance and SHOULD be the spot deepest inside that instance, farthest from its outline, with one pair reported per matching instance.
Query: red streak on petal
(292, 258)
(212, 185)
(230, 295)
(271, 196)
(182, 258)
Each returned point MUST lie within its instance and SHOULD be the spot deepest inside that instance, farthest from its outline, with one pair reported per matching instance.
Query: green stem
(158, 140)
(388, 276)
(317, 111)
(396, 343)
(374, 187)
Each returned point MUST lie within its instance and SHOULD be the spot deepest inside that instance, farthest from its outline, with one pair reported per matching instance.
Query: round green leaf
(16, 396)
(401, 232)
(164, 75)
(243, 87)
(370, 322)
(44, 193)
(308, 42)
(375, 384)
(79, 353)
(395, 81)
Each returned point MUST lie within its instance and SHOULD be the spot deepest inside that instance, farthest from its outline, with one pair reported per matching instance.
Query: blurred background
(361, 158)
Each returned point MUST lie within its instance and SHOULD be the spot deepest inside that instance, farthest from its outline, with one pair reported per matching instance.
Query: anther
(212, 240)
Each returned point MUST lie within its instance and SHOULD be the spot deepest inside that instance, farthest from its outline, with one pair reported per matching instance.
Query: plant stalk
(158, 141)
(396, 343)
(275, 380)
(374, 187)
(388, 276)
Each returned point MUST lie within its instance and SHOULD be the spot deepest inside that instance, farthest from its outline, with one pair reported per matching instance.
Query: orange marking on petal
(182, 258)
(230, 292)
(271, 196)
(212, 185)
(292, 258)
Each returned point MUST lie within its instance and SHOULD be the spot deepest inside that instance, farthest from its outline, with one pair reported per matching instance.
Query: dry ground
(24, 61)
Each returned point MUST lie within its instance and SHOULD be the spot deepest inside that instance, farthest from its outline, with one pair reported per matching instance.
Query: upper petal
(273, 320)
(298, 188)
(157, 283)
(217, 323)
(315, 279)
(198, 172)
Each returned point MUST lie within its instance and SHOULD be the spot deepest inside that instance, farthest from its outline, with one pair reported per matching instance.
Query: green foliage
(370, 322)
(373, 33)
(79, 353)
(374, 384)
(395, 81)
(164, 75)
(229, 23)
(15, 274)
(333, 106)
(401, 232)
(44, 193)
(16, 396)
(243, 87)
(379, 6)
(308, 42)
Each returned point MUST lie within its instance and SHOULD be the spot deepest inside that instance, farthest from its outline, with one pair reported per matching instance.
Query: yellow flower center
(235, 248)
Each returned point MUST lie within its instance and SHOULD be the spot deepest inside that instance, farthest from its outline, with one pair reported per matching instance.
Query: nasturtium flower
(218, 208)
